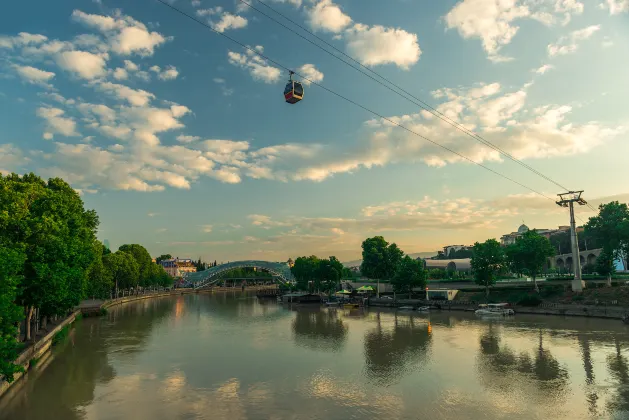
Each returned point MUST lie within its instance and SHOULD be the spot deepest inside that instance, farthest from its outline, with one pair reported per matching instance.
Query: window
(299, 90)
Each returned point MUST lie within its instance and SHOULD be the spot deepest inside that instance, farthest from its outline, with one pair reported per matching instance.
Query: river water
(228, 356)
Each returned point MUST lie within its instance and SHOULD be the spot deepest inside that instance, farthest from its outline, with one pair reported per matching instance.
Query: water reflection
(619, 371)
(319, 329)
(393, 352)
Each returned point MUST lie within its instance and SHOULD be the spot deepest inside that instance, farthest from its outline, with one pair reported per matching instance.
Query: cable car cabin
(293, 92)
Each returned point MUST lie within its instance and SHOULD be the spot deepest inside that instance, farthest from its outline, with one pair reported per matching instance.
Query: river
(228, 356)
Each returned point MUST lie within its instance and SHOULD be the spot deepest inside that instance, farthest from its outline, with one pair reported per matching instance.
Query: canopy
(366, 289)
(344, 292)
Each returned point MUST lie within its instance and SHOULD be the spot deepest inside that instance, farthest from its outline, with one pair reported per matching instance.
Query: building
(290, 263)
(449, 248)
(510, 238)
(461, 265)
(176, 267)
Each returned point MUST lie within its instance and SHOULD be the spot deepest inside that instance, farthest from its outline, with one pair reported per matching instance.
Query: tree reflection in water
(619, 370)
(503, 371)
(394, 352)
(319, 329)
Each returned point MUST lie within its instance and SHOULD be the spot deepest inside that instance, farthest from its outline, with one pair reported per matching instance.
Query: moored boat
(494, 309)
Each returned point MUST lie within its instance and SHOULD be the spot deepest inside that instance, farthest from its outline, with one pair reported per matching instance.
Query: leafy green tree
(163, 257)
(48, 221)
(144, 261)
(409, 274)
(328, 274)
(530, 253)
(305, 271)
(99, 282)
(10, 313)
(123, 269)
(488, 259)
(604, 265)
(380, 259)
(611, 229)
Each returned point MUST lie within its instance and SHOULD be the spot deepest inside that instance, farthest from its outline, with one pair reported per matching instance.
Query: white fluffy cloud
(378, 45)
(310, 72)
(544, 68)
(493, 21)
(10, 158)
(125, 35)
(21, 40)
(170, 73)
(34, 75)
(258, 67)
(570, 43)
(83, 64)
(229, 21)
(616, 6)
(57, 122)
(328, 16)
(135, 97)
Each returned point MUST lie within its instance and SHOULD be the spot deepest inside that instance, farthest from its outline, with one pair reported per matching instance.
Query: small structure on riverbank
(441, 294)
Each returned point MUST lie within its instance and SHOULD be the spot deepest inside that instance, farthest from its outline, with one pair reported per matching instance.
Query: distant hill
(357, 263)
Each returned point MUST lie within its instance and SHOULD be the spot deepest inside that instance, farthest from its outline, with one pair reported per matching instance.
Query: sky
(181, 140)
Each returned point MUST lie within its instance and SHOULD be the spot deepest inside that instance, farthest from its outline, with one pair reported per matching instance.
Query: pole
(378, 291)
(577, 283)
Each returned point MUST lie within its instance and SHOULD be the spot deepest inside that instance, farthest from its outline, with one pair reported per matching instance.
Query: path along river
(228, 356)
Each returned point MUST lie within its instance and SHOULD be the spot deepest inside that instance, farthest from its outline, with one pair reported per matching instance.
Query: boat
(625, 318)
(423, 308)
(494, 309)
(406, 308)
(332, 303)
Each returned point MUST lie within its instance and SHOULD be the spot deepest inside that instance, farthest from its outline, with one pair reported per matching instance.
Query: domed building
(523, 229)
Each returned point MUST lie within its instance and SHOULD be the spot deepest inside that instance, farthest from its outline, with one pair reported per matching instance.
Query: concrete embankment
(612, 312)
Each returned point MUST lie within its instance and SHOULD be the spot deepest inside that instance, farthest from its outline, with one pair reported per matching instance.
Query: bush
(61, 335)
(530, 300)
(578, 298)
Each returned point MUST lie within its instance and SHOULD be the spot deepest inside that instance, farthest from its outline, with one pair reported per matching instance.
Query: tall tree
(48, 221)
(123, 269)
(144, 261)
(409, 274)
(530, 253)
(305, 271)
(611, 229)
(99, 282)
(604, 265)
(488, 259)
(10, 313)
(328, 274)
(380, 259)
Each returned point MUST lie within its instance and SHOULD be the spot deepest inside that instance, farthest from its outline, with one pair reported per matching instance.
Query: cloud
(378, 45)
(493, 21)
(543, 69)
(206, 228)
(56, 122)
(310, 72)
(121, 74)
(125, 35)
(83, 64)
(10, 158)
(34, 75)
(616, 7)
(187, 139)
(135, 97)
(152, 214)
(607, 42)
(22, 39)
(256, 65)
(195, 3)
(327, 16)
(570, 43)
(229, 21)
(170, 73)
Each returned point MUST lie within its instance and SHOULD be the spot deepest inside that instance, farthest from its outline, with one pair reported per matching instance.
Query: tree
(604, 265)
(305, 271)
(123, 269)
(409, 274)
(163, 257)
(488, 259)
(380, 259)
(328, 274)
(144, 261)
(99, 281)
(530, 253)
(10, 313)
(611, 229)
(48, 221)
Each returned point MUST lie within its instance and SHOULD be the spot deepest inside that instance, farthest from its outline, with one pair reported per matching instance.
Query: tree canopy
(380, 259)
(409, 274)
(144, 261)
(530, 253)
(313, 273)
(10, 313)
(611, 229)
(488, 259)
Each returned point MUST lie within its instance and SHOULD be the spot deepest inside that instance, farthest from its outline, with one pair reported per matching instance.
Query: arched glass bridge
(280, 272)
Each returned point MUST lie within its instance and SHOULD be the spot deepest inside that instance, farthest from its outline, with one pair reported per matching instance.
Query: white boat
(494, 309)
(423, 308)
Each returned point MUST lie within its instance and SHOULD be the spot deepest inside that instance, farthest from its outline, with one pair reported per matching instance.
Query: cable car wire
(261, 55)
(422, 104)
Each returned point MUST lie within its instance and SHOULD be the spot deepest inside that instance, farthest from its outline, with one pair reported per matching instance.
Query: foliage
(562, 245)
(611, 229)
(144, 261)
(99, 280)
(487, 261)
(604, 265)
(530, 300)
(409, 274)
(12, 262)
(380, 259)
(163, 257)
(530, 253)
(61, 335)
(317, 274)
(304, 271)
(48, 222)
(123, 269)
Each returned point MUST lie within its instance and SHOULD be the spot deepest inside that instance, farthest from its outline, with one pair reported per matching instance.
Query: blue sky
(181, 139)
